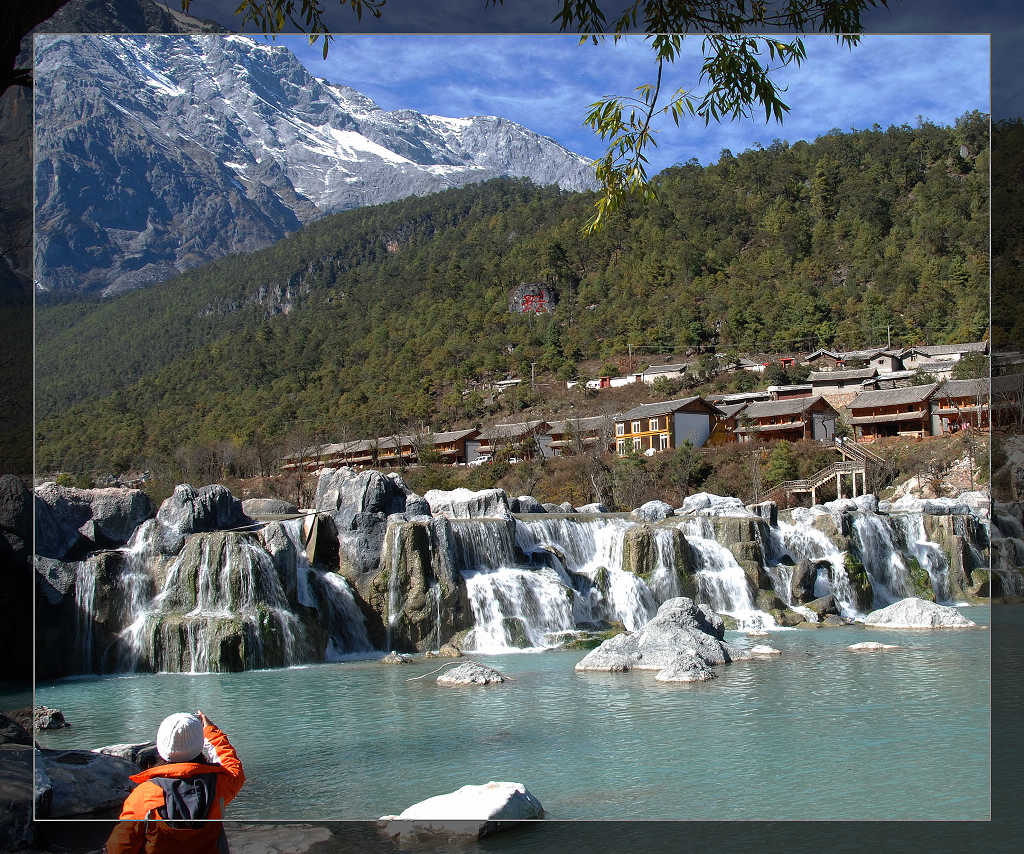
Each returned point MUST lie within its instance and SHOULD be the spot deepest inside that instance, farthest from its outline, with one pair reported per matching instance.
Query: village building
(575, 435)
(895, 379)
(886, 361)
(653, 427)
(739, 397)
(835, 360)
(724, 431)
(788, 392)
(893, 412)
(669, 372)
(526, 438)
(939, 369)
(958, 404)
(914, 358)
(839, 387)
(796, 419)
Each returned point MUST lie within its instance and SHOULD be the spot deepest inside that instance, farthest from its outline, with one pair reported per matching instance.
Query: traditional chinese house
(527, 439)
(892, 412)
(957, 404)
(796, 419)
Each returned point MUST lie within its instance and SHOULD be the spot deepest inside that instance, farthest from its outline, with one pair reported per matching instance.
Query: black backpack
(188, 801)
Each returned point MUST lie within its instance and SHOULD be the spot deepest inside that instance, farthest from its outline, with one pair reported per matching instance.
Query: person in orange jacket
(176, 807)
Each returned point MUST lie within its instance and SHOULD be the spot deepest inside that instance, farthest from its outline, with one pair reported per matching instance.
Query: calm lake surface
(819, 733)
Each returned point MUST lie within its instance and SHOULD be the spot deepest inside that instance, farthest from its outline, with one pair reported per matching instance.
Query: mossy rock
(859, 580)
(601, 579)
(595, 639)
(729, 622)
(787, 618)
(767, 600)
(747, 550)
(639, 551)
(515, 632)
(920, 580)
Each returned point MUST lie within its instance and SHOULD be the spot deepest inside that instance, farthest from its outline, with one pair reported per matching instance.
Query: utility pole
(630, 368)
(888, 336)
(533, 366)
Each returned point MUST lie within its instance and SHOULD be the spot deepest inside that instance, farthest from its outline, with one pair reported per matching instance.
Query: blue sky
(546, 82)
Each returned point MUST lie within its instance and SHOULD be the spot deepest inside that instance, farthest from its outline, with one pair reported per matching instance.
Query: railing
(819, 478)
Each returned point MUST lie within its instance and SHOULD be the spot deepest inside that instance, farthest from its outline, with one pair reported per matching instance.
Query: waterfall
(592, 548)
(395, 533)
(928, 554)
(85, 601)
(516, 608)
(721, 581)
(333, 599)
(802, 540)
(890, 580)
(664, 583)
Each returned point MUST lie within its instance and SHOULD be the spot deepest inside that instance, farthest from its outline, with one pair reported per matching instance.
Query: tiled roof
(592, 422)
(772, 408)
(649, 410)
(510, 431)
(851, 375)
(894, 396)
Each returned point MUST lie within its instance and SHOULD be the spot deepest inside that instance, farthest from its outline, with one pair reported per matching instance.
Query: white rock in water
(471, 810)
(871, 646)
(470, 673)
(763, 649)
(916, 613)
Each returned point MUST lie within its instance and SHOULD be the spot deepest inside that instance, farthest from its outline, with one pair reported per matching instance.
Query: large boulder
(464, 503)
(687, 668)
(17, 829)
(12, 732)
(527, 504)
(143, 754)
(189, 510)
(916, 613)
(15, 512)
(595, 507)
(83, 783)
(260, 508)
(652, 511)
(680, 629)
(84, 519)
(708, 504)
(415, 589)
(471, 673)
(767, 510)
(470, 811)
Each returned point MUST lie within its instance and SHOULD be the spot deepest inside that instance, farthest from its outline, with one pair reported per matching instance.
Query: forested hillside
(377, 318)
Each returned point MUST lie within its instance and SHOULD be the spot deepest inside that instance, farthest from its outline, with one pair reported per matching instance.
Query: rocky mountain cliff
(158, 153)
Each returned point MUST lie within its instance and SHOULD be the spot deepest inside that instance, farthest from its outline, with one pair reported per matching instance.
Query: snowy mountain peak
(168, 120)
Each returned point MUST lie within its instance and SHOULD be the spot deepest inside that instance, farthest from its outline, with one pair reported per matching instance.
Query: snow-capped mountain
(158, 153)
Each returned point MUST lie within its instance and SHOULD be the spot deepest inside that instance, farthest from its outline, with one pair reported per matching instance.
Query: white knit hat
(180, 737)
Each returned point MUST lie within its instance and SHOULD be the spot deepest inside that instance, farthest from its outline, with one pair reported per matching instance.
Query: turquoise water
(820, 733)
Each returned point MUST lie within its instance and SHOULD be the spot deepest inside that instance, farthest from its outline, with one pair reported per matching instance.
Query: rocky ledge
(916, 613)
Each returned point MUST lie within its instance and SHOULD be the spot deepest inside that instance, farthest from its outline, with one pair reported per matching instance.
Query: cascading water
(890, 579)
(928, 554)
(592, 548)
(229, 590)
(85, 597)
(393, 590)
(517, 608)
(332, 597)
(801, 540)
(514, 607)
(721, 582)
